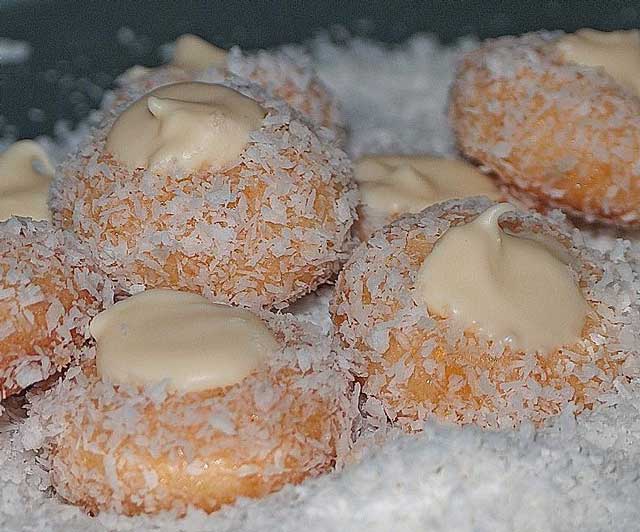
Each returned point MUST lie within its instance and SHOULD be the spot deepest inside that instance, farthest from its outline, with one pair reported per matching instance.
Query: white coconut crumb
(393, 97)
(14, 52)
(568, 476)
(315, 307)
(51, 291)
(447, 478)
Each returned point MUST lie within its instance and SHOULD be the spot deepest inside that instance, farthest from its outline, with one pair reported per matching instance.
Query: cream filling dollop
(515, 290)
(409, 183)
(193, 53)
(25, 176)
(179, 337)
(616, 52)
(190, 125)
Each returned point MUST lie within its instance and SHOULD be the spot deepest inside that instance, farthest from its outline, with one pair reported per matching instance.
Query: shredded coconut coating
(266, 230)
(556, 133)
(142, 450)
(413, 366)
(49, 292)
(288, 75)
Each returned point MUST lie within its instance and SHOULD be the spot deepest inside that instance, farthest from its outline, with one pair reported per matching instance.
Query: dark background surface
(79, 46)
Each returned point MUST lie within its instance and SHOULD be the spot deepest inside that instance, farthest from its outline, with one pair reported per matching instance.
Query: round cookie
(259, 223)
(414, 364)
(556, 131)
(286, 75)
(134, 448)
(50, 289)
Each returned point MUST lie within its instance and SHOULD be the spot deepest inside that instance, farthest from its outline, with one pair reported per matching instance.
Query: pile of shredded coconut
(572, 475)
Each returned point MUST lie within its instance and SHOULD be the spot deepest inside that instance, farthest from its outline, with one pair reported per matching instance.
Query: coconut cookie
(217, 189)
(556, 117)
(476, 313)
(193, 404)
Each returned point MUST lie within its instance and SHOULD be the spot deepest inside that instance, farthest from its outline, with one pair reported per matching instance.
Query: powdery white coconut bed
(579, 474)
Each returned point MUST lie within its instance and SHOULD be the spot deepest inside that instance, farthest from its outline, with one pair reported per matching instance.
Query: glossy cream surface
(186, 126)
(25, 176)
(397, 184)
(179, 337)
(616, 52)
(513, 289)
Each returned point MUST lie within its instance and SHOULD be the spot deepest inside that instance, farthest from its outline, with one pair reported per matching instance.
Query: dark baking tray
(76, 49)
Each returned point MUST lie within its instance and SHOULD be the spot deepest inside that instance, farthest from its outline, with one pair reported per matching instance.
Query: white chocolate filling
(616, 52)
(193, 53)
(407, 184)
(515, 290)
(190, 125)
(181, 338)
(25, 176)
